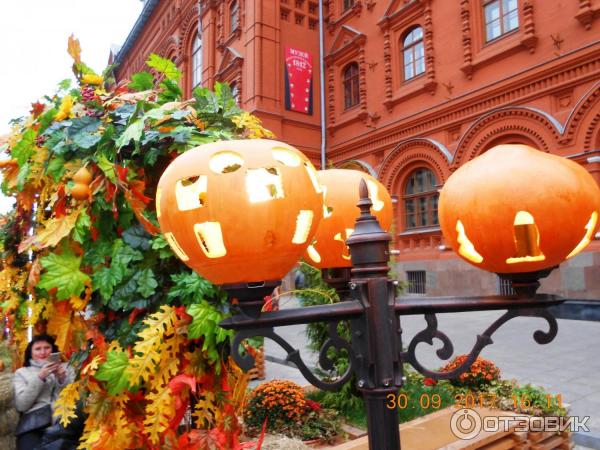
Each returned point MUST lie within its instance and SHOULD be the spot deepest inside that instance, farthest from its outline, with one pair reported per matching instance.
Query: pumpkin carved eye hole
(210, 239)
(527, 239)
(312, 173)
(225, 162)
(313, 253)
(303, 223)
(190, 192)
(285, 157)
(346, 249)
(263, 184)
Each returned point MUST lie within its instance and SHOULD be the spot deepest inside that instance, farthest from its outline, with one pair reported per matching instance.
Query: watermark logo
(467, 423)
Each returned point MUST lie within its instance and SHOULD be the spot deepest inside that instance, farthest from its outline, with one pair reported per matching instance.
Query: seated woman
(37, 385)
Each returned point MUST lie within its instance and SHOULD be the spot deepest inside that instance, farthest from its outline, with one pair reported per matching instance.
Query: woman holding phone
(37, 385)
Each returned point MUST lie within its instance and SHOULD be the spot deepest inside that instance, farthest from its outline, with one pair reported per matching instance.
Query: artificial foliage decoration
(83, 259)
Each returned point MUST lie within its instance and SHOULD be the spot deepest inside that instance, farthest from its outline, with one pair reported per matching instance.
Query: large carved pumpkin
(517, 209)
(240, 211)
(328, 248)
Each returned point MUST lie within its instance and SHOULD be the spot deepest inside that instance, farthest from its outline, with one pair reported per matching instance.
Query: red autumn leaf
(36, 109)
(136, 312)
(122, 172)
(138, 207)
(178, 383)
(111, 189)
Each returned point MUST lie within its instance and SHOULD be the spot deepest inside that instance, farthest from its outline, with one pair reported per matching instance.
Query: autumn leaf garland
(94, 271)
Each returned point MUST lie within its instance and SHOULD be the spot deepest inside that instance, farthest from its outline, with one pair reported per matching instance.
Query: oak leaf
(54, 231)
(159, 412)
(65, 405)
(74, 49)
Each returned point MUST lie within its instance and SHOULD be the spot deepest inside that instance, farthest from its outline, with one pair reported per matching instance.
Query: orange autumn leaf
(54, 231)
(34, 275)
(74, 49)
(138, 207)
(60, 325)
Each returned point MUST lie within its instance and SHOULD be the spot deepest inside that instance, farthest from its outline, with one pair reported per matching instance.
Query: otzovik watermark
(467, 423)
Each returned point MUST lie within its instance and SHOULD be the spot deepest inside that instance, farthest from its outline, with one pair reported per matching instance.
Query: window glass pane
(434, 209)
(492, 12)
(493, 30)
(408, 56)
(408, 39)
(418, 34)
(509, 5)
(511, 21)
(419, 178)
(410, 186)
(408, 72)
(197, 61)
(423, 211)
(419, 66)
(410, 214)
(419, 50)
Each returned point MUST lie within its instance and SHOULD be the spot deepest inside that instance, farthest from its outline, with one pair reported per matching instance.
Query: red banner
(298, 80)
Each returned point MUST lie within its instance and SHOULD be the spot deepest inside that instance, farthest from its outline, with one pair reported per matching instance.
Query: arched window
(197, 61)
(234, 16)
(351, 94)
(421, 199)
(414, 53)
(501, 16)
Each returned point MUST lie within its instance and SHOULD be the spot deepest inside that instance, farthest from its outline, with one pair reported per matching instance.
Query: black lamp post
(261, 175)
(375, 350)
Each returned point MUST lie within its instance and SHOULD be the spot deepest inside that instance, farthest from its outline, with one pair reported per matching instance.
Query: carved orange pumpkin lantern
(328, 248)
(517, 209)
(240, 211)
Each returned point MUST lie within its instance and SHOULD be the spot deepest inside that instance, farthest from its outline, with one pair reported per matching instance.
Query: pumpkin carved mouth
(590, 227)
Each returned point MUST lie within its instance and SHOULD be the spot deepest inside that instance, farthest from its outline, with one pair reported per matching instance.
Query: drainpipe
(322, 85)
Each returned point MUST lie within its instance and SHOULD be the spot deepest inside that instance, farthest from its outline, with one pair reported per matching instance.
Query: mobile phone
(54, 357)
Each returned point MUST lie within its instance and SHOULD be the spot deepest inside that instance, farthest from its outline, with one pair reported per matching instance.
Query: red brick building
(412, 88)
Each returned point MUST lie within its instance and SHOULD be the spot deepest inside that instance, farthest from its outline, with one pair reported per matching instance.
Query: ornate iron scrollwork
(246, 362)
(431, 332)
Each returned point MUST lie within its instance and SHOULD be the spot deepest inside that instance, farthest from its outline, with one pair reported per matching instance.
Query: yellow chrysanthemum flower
(64, 111)
(93, 79)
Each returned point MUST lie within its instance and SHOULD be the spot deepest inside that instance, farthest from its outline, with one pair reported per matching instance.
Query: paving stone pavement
(568, 366)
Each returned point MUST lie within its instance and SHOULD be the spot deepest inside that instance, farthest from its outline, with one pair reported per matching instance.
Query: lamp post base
(382, 421)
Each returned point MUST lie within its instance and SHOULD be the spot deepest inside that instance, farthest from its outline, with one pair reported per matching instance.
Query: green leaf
(141, 81)
(105, 280)
(133, 131)
(65, 84)
(205, 324)
(62, 272)
(56, 168)
(23, 175)
(107, 167)
(160, 243)
(146, 283)
(23, 150)
(171, 91)
(84, 132)
(113, 371)
(164, 66)
(82, 227)
(137, 237)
